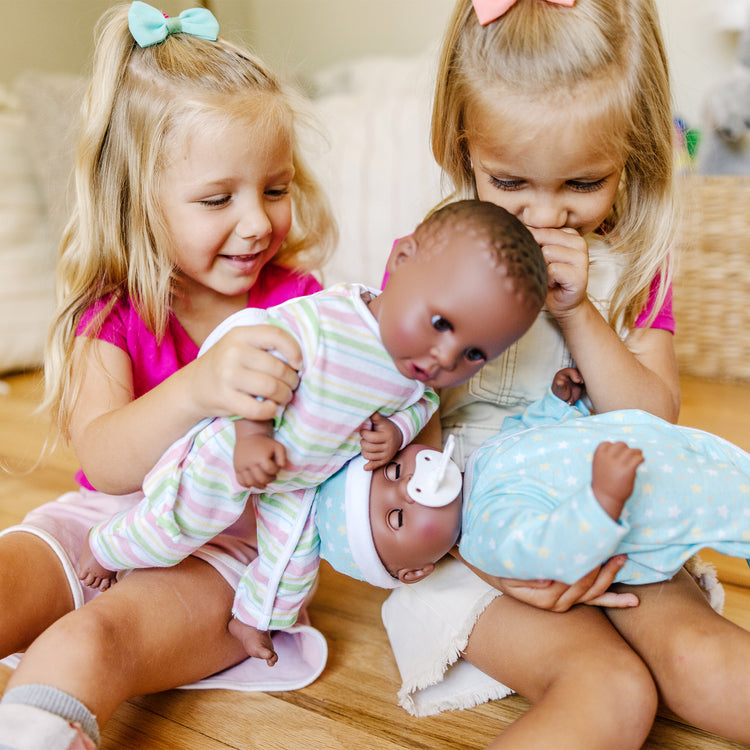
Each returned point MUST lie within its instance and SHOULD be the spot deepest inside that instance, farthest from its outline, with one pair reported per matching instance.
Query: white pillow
(27, 252)
(52, 103)
(378, 170)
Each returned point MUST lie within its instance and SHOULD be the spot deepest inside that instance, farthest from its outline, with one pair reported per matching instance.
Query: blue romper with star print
(529, 511)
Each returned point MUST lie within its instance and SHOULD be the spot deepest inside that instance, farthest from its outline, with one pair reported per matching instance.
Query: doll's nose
(404, 488)
(447, 355)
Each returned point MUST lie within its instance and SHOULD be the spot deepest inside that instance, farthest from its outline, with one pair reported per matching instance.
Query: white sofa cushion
(27, 253)
(378, 170)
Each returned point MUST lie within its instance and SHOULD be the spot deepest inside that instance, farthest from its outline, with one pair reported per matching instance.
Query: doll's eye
(392, 471)
(475, 355)
(439, 323)
(396, 519)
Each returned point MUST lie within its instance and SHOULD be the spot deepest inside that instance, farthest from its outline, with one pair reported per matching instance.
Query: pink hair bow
(490, 10)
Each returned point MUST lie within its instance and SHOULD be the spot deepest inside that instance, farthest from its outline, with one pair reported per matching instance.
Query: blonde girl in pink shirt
(193, 202)
(560, 112)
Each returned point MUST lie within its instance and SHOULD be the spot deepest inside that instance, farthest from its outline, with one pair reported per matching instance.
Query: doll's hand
(257, 643)
(380, 444)
(613, 475)
(567, 257)
(568, 385)
(91, 573)
(230, 377)
(257, 460)
(554, 596)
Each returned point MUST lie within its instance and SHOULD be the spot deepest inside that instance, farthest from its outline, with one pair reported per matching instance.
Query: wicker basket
(712, 285)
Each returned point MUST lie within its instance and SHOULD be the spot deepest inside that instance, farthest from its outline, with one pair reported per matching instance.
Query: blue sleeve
(516, 530)
(546, 411)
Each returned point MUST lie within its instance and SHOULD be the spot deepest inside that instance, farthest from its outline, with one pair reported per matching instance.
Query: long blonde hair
(115, 245)
(545, 51)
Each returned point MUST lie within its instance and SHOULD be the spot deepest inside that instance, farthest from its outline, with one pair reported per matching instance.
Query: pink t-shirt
(154, 361)
(664, 319)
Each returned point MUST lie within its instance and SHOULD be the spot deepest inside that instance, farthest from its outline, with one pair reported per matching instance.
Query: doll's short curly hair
(511, 245)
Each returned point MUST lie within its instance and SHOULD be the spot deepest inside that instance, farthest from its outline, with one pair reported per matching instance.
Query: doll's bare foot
(91, 573)
(257, 643)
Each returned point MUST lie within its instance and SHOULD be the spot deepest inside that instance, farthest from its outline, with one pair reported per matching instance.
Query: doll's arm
(413, 418)
(521, 530)
(568, 385)
(258, 458)
(381, 443)
(613, 475)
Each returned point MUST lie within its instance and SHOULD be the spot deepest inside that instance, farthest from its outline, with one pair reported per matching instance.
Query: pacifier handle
(437, 480)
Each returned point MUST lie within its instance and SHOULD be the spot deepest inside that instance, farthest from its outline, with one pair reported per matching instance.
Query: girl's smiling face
(226, 203)
(559, 173)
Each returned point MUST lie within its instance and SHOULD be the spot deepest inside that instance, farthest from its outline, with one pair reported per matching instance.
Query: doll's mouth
(419, 373)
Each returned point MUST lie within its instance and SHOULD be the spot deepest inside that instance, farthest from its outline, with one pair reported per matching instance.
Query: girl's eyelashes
(587, 187)
(274, 193)
(580, 186)
(505, 184)
(215, 201)
(439, 323)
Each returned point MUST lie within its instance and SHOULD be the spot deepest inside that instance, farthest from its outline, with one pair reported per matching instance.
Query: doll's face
(408, 536)
(446, 309)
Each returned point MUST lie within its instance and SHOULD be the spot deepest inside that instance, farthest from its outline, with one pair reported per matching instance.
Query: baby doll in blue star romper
(560, 490)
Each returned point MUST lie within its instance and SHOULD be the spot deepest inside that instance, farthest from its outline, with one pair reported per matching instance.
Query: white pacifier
(436, 480)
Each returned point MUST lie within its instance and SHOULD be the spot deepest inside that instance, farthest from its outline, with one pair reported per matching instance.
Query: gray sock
(56, 702)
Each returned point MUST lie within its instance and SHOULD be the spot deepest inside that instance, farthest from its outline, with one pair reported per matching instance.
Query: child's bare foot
(257, 643)
(91, 573)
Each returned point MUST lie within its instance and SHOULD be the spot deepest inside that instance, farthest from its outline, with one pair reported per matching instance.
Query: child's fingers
(375, 464)
(374, 452)
(279, 456)
(372, 438)
(268, 338)
(562, 238)
(564, 275)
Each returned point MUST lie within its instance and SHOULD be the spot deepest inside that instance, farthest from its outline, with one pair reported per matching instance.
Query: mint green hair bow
(150, 26)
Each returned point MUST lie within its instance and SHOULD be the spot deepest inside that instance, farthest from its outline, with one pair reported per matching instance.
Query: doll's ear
(404, 249)
(413, 575)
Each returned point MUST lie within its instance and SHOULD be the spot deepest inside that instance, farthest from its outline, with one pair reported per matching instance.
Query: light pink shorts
(64, 524)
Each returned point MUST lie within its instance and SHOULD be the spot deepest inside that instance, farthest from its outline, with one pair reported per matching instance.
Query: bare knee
(624, 694)
(87, 641)
(34, 590)
(697, 664)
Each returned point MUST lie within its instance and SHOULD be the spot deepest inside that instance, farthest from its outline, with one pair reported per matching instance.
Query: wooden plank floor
(353, 704)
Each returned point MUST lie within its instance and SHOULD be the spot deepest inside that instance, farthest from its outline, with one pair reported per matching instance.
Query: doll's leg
(698, 658)
(34, 590)
(574, 668)
(156, 629)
